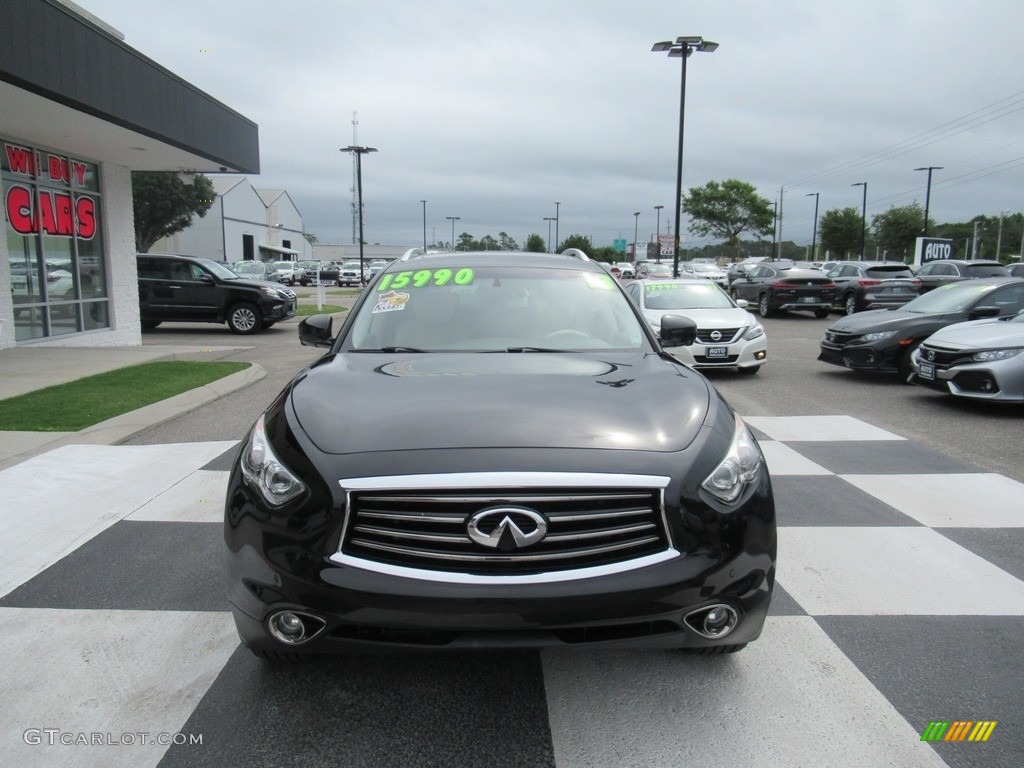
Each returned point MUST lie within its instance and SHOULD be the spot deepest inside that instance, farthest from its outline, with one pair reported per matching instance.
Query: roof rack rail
(412, 253)
(576, 253)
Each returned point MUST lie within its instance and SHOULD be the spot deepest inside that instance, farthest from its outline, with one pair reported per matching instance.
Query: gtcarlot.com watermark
(55, 736)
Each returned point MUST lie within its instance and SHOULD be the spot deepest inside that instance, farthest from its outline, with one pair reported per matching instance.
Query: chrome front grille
(726, 335)
(429, 527)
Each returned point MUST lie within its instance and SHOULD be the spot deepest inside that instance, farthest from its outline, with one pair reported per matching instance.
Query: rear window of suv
(887, 273)
(985, 270)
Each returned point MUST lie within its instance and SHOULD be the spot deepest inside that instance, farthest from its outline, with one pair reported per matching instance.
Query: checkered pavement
(899, 601)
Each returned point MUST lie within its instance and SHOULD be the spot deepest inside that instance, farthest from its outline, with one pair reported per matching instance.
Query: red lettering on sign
(19, 209)
(85, 209)
(58, 167)
(20, 160)
(79, 171)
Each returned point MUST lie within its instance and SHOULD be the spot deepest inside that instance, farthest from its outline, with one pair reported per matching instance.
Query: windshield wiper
(390, 349)
(534, 349)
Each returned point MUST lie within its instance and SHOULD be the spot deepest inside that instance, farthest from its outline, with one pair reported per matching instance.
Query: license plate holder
(926, 371)
(716, 352)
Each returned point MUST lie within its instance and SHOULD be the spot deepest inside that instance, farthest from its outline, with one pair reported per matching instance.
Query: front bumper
(1000, 382)
(741, 354)
(714, 558)
(862, 357)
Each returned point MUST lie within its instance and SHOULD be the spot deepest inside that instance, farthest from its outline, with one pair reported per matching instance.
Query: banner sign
(932, 249)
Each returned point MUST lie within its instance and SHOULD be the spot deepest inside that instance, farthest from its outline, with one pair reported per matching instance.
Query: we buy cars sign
(47, 211)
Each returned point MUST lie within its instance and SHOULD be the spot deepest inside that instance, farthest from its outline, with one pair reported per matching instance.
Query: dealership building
(79, 111)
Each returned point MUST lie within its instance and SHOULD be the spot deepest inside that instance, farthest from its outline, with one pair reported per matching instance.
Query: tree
(535, 244)
(898, 229)
(164, 204)
(840, 230)
(506, 242)
(577, 241)
(727, 209)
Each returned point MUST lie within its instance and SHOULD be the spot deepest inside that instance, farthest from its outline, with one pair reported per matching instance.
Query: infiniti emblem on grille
(716, 335)
(507, 528)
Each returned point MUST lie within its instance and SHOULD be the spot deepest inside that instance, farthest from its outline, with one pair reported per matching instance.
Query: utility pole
(782, 191)
(974, 250)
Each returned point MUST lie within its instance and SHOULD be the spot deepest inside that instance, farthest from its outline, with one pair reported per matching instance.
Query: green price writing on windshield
(425, 277)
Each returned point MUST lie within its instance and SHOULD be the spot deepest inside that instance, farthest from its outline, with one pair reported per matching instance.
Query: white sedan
(979, 359)
(728, 336)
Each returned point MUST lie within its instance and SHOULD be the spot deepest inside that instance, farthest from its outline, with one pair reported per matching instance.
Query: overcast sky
(493, 111)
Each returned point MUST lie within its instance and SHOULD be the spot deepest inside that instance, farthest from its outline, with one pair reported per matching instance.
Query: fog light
(294, 628)
(714, 621)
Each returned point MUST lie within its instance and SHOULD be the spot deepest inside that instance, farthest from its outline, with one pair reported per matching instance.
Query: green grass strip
(82, 403)
(305, 310)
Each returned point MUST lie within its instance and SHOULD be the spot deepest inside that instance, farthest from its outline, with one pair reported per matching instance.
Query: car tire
(820, 313)
(764, 307)
(245, 318)
(716, 650)
(850, 305)
(735, 294)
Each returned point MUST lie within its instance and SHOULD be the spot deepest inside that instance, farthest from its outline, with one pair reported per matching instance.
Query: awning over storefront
(273, 249)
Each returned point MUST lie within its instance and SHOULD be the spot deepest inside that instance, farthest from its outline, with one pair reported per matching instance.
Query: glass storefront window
(54, 242)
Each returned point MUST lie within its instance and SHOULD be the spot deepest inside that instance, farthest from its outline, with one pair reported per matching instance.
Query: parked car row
(941, 339)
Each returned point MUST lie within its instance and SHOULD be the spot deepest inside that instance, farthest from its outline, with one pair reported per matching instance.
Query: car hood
(886, 319)
(252, 282)
(987, 334)
(506, 400)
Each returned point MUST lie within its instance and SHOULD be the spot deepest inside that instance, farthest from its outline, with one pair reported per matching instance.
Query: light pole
(928, 192)
(682, 47)
(863, 215)
(636, 233)
(814, 231)
(775, 221)
(657, 232)
(549, 219)
(557, 205)
(424, 224)
(452, 219)
(359, 152)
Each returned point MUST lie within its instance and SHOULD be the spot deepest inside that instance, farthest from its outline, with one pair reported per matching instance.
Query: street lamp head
(685, 45)
(859, 184)
(358, 150)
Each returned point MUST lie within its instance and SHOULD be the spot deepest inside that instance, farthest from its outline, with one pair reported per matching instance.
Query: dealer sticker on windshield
(392, 301)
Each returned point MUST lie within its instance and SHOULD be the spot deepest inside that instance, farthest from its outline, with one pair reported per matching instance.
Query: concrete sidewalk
(25, 369)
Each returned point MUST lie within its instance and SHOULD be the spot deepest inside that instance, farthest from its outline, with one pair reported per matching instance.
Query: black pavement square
(815, 500)
(363, 711)
(135, 565)
(923, 663)
(1003, 547)
(879, 457)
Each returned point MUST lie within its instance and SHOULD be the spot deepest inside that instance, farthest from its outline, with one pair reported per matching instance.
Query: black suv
(864, 285)
(526, 467)
(196, 290)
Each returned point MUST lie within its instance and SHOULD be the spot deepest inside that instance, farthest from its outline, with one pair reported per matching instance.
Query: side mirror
(986, 311)
(315, 331)
(677, 331)
(742, 303)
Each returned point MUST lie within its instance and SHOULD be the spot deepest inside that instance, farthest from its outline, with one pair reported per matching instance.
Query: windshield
(681, 296)
(710, 268)
(952, 297)
(223, 271)
(493, 308)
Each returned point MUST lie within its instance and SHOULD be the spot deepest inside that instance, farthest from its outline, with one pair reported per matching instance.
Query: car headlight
(755, 331)
(265, 473)
(877, 336)
(739, 469)
(991, 355)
